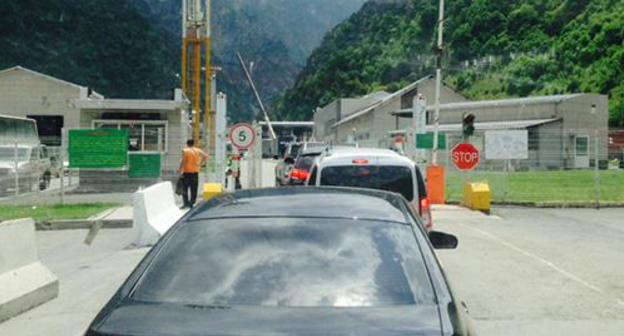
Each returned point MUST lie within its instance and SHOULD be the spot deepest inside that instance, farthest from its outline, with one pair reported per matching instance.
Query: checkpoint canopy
(157, 131)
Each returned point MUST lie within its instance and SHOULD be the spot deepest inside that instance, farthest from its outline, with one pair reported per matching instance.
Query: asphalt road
(88, 277)
(538, 271)
(521, 272)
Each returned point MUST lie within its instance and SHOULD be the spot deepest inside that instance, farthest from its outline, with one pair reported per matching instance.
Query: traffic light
(468, 124)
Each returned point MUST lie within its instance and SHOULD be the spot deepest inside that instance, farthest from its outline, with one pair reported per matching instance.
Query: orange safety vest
(192, 159)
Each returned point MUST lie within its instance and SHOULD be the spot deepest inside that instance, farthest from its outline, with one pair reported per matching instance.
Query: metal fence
(572, 168)
(30, 168)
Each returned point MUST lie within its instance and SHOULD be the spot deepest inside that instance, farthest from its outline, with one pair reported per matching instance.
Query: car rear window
(291, 262)
(305, 162)
(390, 178)
(422, 187)
(294, 150)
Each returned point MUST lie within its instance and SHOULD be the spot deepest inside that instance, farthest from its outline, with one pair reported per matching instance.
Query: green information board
(98, 149)
(425, 141)
(144, 165)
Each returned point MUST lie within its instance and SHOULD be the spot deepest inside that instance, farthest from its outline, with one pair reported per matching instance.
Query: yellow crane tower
(197, 46)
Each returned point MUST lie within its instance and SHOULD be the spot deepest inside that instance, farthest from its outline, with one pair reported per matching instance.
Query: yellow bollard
(212, 190)
(477, 196)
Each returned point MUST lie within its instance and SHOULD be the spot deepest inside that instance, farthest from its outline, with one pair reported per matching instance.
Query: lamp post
(436, 115)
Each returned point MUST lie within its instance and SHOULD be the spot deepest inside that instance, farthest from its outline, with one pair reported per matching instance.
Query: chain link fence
(581, 167)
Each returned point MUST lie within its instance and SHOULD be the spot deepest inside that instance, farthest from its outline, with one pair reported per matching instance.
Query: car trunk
(169, 319)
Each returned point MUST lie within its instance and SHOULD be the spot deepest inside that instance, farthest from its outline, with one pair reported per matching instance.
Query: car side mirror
(441, 240)
(289, 160)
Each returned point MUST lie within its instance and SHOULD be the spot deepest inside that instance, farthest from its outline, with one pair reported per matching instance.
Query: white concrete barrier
(155, 211)
(265, 177)
(24, 281)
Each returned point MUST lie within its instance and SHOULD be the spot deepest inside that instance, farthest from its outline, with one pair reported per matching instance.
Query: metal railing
(27, 169)
(575, 168)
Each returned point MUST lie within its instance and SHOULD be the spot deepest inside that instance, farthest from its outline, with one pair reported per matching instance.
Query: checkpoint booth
(156, 133)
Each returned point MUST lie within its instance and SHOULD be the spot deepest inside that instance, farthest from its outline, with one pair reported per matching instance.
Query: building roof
(472, 105)
(289, 123)
(493, 125)
(364, 102)
(39, 74)
(384, 101)
(130, 104)
(377, 94)
(5, 116)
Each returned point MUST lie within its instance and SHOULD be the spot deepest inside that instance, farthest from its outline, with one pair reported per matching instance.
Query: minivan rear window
(397, 179)
(305, 162)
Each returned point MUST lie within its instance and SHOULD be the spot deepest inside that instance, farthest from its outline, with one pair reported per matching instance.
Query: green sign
(99, 148)
(144, 165)
(425, 141)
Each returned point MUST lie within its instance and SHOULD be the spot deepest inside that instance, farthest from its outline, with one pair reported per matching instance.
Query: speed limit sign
(243, 136)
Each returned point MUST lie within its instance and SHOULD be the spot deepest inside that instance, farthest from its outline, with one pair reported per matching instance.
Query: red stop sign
(465, 156)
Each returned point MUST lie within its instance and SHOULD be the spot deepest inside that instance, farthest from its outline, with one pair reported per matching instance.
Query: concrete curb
(25, 282)
(86, 224)
(553, 205)
(83, 224)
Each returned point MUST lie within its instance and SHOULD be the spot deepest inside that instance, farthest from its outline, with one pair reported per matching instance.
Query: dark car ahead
(303, 165)
(294, 168)
(290, 261)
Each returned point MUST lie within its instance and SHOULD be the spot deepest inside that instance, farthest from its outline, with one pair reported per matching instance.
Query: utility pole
(255, 92)
(196, 46)
(436, 115)
(210, 129)
(436, 178)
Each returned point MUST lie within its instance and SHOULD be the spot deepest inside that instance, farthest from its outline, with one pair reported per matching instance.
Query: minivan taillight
(299, 174)
(425, 213)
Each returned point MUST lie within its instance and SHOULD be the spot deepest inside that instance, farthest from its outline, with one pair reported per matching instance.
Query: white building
(564, 131)
(48, 100)
(154, 126)
(368, 120)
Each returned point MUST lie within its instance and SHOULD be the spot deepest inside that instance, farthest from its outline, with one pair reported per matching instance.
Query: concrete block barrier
(155, 211)
(24, 281)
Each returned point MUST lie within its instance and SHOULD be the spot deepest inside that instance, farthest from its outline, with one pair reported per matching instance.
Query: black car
(303, 164)
(291, 261)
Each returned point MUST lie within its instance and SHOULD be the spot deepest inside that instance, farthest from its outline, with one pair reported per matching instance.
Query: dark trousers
(191, 181)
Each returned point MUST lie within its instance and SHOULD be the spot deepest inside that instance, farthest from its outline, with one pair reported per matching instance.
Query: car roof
(318, 202)
(346, 152)
(313, 150)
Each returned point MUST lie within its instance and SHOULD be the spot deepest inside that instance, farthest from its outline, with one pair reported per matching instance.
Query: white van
(30, 163)
(375, 169)
(23, 160)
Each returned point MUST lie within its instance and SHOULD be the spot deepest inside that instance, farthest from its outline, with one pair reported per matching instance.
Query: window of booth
(144, 135)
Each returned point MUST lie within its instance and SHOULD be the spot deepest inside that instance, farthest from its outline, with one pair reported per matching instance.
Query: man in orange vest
(192, 160)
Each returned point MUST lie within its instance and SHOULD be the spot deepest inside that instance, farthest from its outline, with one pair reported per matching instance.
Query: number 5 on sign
(243, 136)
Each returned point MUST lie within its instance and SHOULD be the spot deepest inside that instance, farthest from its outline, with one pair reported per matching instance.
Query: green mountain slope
(104, 44)
(494, 49)
(131, 48)
(276, 35)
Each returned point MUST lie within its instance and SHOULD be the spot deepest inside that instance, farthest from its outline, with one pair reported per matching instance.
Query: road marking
(547, 263)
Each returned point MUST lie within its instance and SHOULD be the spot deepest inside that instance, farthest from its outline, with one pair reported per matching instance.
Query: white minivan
(375, 169)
